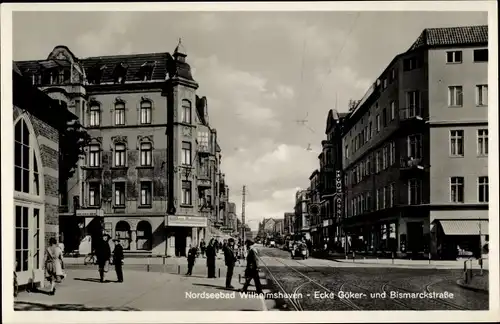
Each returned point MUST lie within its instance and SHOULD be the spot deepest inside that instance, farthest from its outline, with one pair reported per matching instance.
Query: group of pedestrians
(231, 257)
(103, 253)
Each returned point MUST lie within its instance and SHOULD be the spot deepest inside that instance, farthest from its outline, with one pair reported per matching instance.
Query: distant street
(316, 284)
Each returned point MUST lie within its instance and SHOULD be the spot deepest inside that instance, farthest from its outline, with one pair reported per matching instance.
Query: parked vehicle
(300, 251)
(272, 244)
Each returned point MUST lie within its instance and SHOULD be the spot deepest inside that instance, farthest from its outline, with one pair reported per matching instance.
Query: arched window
(120, 155)
(146, 154)
(120, 113)
(144, 235)
(122, 233)
(95, 114)
(94, 155)
(28, 200)
(186, 111)
(146, 108)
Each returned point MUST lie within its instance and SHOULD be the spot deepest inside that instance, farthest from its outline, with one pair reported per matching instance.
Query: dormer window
(120, 73)
(145, 72)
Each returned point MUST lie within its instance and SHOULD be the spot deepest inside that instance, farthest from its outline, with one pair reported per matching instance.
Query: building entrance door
(415, 237)
(181, 234)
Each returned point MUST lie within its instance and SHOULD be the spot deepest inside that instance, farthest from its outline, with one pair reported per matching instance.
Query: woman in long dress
(53, 265)
(211, 254)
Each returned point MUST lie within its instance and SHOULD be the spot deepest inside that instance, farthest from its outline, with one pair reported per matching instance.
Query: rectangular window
(119, 193)
(22, 238)
(368, 201)
(457, 189)
(392, 153)
(484, 193)
(415, 146)
(481, 55)
(393, 109)
(384, 83)
(385, 157)
(392, 194)
(382, 198)
(482, 95)
(457, 143)
(370, 134)
(146, 108)
(393, 75)
(146, 154)
(377, 199)
(377, 162)
(94, 194)
(186, 192)
(203, 141)
(410, 64)
(412, 104)
(95, 115)
(414, 192)
(186, 153)
(94, 156)
(482, 142)
(378, 123)
(368, 167)
(36, 237)
(119, 114)
(384, 117)
(347, 151)
(454, 57)
(455, 96)
(119, 155)
(146, 193)
(186, 111)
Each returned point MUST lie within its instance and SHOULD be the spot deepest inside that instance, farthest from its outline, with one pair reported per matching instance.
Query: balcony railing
(411, 113)
(411, 163)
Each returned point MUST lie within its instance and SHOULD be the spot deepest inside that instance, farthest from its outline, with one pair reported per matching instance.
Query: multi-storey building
(288, 223)
(416, 147)
(40, 127)
(301, 213)
(331, 185)
(278, 227)
(314, 208)
(144, 179)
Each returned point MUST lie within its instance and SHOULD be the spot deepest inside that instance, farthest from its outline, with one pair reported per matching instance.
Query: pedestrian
(202, 247)
(103, 254)
(252, 269)
(211, 254)
(54, 265)
(118, 260)
(216, 245)
(191, 258)
(230, 260)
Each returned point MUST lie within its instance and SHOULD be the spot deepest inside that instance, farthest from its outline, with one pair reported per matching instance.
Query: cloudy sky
(261, 72)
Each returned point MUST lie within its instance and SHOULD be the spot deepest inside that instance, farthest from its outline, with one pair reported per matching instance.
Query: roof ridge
(124, 55)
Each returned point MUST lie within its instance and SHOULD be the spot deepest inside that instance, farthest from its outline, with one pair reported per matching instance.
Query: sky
(260, 71)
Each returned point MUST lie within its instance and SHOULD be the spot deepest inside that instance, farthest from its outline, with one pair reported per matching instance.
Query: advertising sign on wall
(339, 198)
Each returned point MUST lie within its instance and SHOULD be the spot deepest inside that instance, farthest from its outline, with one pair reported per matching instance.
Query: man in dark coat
(252, 269)
(118, 260)
(191, 258)
(230, 259)
(211, 254)
(103, 254)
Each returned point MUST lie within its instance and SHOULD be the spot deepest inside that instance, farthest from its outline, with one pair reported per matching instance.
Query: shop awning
(464, 227)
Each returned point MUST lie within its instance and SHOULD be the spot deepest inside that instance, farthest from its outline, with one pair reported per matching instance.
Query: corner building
(146, 179)
(415, 150)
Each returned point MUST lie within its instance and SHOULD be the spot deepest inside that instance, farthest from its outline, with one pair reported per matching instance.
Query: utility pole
(243, 228)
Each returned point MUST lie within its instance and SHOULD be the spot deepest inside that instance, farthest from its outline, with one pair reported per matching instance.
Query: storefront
(183, 231)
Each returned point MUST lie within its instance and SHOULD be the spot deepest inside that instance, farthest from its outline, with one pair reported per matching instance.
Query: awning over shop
(464, 227)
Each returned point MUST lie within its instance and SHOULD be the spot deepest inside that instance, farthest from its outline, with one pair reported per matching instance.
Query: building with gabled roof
(151, 174)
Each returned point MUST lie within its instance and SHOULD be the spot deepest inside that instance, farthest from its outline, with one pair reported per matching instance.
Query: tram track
(294, 300)
(384, 288)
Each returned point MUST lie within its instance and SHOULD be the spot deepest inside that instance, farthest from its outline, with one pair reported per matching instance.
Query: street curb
(468, 287)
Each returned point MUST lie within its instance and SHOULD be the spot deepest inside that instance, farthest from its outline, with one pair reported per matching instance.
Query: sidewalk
(148, 291)
(437, 264)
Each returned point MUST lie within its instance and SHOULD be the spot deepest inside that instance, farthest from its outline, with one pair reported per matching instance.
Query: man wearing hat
(230, 259)
(252, 269)
(118, 259)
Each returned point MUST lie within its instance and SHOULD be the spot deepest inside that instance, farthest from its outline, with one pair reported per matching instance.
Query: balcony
(411, 166)
(203, 150)
(411, 114)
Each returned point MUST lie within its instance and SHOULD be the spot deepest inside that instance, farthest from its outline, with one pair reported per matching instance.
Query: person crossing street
(252, 269)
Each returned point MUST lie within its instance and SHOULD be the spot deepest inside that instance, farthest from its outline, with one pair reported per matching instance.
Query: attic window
(145, 72)
(120, 73)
